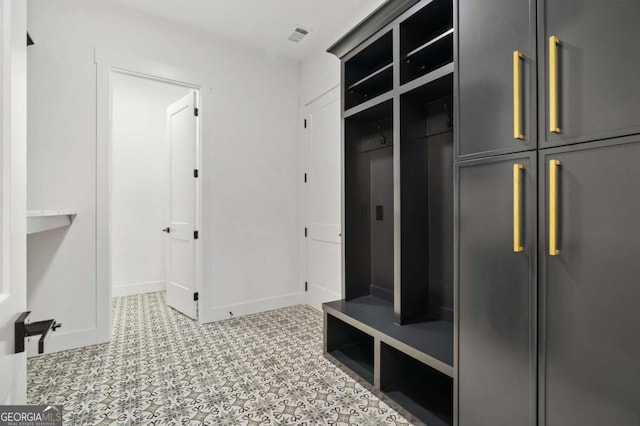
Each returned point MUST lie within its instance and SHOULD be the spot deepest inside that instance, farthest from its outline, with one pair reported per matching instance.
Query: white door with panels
(323, 248)
(182, 231)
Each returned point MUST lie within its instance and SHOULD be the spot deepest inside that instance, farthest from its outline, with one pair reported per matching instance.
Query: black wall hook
(383, 138)
(449, 117)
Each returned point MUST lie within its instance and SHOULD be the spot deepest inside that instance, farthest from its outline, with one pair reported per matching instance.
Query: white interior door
(13, 201)
(182, 124)
(322, 201)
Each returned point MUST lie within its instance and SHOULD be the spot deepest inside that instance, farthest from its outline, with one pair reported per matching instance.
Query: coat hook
(449, 116)
(383, 138)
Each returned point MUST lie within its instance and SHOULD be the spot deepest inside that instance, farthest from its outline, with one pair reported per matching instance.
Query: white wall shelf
(44, 220)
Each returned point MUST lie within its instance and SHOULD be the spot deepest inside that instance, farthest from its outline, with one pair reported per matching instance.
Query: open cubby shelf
(432, 341)
(422, 48)
(350, 346)
(421, 390)
(370, 72)
(428, 58)
(425, 24)
(426, 40)
(370, 87)
(410, 357)
(368, 79)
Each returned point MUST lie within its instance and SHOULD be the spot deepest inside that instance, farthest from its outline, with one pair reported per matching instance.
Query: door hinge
(195, 173)
(196, 296)
(305, 232)
(305, 123)
(195, 235)
(305, 178)
(196, 112)
(306, 286)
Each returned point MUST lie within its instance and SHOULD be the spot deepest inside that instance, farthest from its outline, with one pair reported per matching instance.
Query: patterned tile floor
(162, 368)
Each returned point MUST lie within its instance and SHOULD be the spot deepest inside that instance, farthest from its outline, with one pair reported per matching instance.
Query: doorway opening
(154, 142)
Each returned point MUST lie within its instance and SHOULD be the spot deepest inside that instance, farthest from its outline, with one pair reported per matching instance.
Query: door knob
(167, 230)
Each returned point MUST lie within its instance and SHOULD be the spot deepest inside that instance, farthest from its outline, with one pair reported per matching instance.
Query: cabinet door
(497, 291)
(589, 75)
(496, 115)
(590, 288)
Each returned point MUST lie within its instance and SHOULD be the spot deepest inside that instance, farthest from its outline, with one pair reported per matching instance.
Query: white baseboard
(60, 341)
(314, 308)
(222, 312)
(316, 296)
(138, 288)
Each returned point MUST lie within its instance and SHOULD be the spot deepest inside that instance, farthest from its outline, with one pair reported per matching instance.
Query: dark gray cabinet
(497, 102)
(590, 288)
(496, 268)
(589, 72)
(491, 236)
(395, 324)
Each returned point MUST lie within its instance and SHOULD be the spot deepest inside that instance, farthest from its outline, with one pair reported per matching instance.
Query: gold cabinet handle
(553, 207)
(517, 96)
(553, 84)
(517, 208)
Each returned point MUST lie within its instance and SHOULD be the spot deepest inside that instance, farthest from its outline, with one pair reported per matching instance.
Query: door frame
(13, 195)
(108, 62)
(322, 100)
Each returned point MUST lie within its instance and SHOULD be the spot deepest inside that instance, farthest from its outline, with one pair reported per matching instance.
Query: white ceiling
(263, 24)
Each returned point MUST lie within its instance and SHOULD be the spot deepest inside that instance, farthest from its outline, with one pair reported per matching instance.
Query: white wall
(140, 182)
(321, 72)
(319, 79)
(249, 167)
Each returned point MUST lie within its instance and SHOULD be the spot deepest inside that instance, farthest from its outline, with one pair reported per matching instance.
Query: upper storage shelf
(370, 72)
(426, 40)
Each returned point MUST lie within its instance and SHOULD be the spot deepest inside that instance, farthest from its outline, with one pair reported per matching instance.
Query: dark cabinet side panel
(488, 34)
(598, 69)
(496, 294)
(590, 319)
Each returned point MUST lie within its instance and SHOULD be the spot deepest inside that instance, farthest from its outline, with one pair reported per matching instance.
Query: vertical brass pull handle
(517, 96)
(553, 207)
(517, 208)
(553, 84)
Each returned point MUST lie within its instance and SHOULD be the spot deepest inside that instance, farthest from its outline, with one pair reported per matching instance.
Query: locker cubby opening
(370, 72)
(368, 198)
(350, 346)
(423, 391)
(426, 199)
(426, 40)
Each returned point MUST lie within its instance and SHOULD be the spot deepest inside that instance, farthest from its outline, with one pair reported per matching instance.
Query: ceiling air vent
(298, 34)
